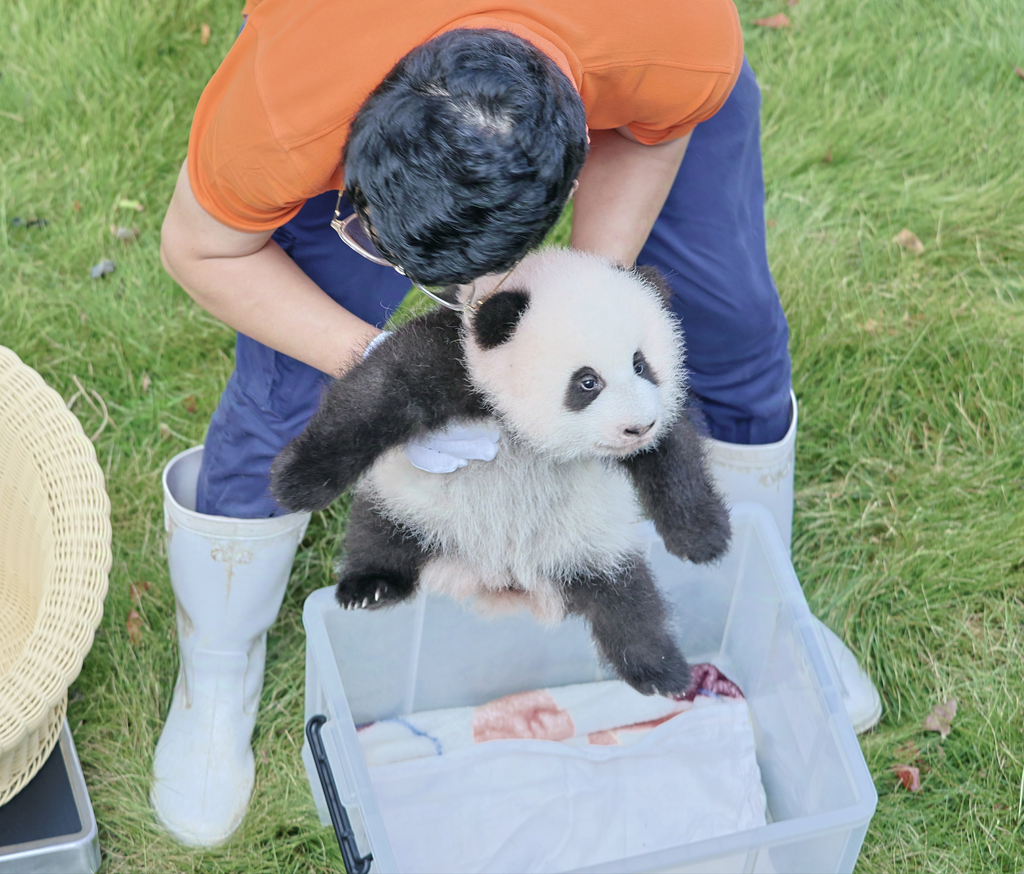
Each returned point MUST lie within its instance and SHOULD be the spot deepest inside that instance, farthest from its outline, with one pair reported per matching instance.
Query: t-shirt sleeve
(238, 170)
(707, 90)
(684, 77)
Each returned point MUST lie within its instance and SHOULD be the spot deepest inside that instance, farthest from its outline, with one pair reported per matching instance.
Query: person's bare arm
(248, 282)
(622, 189)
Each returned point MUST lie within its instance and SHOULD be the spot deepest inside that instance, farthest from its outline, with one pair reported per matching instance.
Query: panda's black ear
(496, 320)
(652, 276)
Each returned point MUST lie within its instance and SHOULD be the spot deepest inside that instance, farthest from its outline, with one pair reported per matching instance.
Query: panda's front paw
(655, 670)
(301, 482)
(370, 590)
(703, 537)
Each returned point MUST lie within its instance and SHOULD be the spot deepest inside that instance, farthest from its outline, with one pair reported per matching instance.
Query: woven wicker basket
(54, 561)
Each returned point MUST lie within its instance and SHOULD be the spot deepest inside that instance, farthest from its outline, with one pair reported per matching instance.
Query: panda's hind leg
(629, 623)
(382, 561)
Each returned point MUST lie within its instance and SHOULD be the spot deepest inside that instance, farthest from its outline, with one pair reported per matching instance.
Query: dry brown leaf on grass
(134, 626)
(190, 404)
(135, 591)
(204, 33)
(1019, 72)
(147, 382)
(941, 718)
(909, 241)
(774, 22)
(909, 776)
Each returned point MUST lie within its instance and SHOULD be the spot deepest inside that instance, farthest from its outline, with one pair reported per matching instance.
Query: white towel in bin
(588, 712)
(629, 775)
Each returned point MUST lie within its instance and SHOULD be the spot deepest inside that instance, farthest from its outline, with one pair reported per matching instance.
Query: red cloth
(708, 680)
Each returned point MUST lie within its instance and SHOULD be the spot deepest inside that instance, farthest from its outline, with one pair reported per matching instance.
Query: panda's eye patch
(584, 387)
(642, 369)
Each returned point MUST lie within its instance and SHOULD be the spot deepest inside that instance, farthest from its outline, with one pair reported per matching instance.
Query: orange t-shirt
(270, 125)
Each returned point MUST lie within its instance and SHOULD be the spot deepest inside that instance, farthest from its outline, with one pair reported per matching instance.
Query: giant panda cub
(579, 364)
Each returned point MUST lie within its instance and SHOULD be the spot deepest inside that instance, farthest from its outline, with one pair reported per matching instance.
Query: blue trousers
(709, 242)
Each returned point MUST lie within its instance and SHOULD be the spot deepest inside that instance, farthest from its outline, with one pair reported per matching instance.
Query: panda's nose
(639, 430)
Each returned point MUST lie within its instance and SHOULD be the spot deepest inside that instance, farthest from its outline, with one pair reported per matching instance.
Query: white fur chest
(518, 521)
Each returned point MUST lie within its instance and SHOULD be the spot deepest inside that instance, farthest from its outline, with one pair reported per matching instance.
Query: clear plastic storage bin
(745, 614)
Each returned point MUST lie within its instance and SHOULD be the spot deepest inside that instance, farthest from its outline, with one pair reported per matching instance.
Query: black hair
(462, 159)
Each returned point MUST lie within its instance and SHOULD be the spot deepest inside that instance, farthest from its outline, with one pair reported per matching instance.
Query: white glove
(449, 448)
(453, 447)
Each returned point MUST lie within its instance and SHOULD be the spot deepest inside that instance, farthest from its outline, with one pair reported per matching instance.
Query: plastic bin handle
(354, 863)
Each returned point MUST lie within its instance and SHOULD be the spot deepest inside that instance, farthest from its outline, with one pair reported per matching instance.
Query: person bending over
(448, 139)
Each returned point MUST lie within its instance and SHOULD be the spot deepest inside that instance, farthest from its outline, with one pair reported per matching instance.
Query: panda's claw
(653, 673)
(371, 591)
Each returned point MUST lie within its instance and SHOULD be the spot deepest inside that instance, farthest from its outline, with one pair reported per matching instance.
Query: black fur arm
(628, 619)
(412, 382)
(676, 490)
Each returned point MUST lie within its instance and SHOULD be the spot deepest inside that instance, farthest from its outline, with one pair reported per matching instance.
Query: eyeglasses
(358, 239)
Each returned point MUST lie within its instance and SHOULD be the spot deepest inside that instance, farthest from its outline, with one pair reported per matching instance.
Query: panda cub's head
(580, 358)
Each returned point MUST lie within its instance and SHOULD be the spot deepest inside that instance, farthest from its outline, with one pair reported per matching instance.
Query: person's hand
(452, 447)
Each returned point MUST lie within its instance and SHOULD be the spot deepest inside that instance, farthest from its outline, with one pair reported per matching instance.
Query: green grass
(877, 116)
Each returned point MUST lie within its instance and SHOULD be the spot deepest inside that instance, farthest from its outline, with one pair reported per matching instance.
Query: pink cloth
(606, 713)
(528, 714)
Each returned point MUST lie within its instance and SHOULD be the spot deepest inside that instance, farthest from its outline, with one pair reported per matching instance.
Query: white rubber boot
(229, 578)
(764, 475)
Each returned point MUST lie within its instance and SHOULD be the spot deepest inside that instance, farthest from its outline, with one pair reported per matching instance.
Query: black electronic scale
(49, 826)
